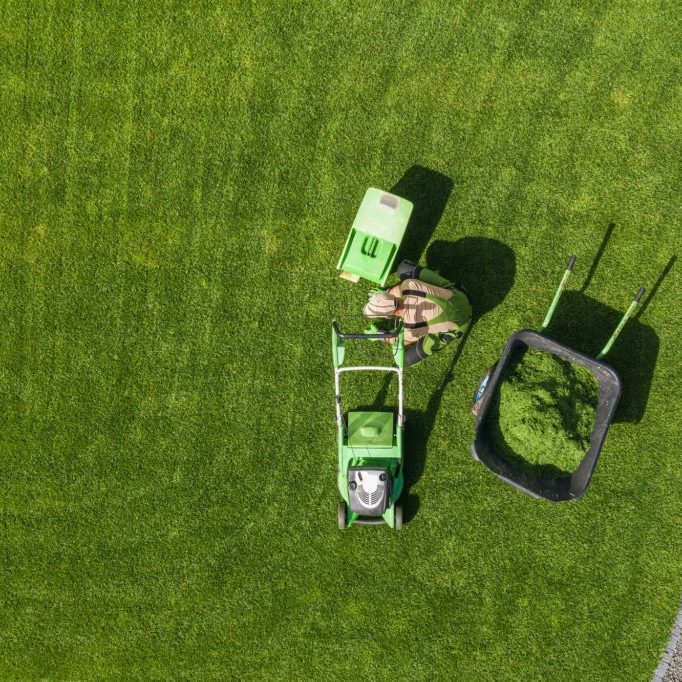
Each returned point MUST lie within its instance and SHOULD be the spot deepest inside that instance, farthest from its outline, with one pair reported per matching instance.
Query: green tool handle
(621, 324)
(557, 296)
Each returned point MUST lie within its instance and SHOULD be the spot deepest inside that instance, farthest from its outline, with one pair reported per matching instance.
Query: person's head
(383, 305)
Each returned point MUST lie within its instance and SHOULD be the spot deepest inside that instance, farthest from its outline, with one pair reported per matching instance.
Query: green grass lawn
(176, 184)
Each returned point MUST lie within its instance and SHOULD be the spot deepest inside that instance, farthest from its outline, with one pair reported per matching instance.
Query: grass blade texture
(177, 180)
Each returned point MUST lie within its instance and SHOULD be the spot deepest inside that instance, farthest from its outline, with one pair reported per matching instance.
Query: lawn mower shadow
(416, 437)
(429, 191)
(486, 269)
(418, 429)
(584, 323)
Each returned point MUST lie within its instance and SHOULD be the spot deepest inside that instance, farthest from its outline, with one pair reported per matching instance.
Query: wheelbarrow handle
(621, 324)
(557, 295)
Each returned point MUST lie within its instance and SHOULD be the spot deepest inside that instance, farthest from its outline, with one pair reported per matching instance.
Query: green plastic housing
(388, 453)
(375, 236)
(370, 429)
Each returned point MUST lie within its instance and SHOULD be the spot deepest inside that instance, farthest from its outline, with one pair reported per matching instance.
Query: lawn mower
(370, 443)
(573, 485)
(372, 244)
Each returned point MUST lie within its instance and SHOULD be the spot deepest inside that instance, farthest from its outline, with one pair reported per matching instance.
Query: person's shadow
(485, 268)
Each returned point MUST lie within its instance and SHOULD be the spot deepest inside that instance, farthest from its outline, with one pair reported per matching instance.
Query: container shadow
(656, 287)
(598, 256)
(429, 191)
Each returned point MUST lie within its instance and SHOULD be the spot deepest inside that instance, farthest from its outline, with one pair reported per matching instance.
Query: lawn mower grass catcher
(372, 244)
(370, 444)
(549, 482)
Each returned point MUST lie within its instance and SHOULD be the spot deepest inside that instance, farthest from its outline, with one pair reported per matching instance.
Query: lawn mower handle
(380, 335)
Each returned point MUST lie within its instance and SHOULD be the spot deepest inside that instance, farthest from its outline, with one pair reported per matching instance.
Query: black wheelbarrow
(563, 487)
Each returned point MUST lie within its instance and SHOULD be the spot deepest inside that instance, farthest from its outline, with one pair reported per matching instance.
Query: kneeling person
(435, 311)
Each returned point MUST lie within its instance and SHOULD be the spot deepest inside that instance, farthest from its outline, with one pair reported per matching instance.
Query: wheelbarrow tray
(569, 487)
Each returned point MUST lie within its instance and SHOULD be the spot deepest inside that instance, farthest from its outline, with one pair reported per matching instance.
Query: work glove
(449, 337)
(373, 329)
(374, 291)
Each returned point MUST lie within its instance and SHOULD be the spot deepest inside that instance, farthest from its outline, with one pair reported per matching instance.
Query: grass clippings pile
(543, 413)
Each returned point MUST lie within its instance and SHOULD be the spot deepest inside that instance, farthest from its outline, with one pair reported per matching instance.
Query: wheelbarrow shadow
(486, 268)
(584, 324)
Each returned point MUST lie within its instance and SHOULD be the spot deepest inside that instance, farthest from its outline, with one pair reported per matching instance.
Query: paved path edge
(674, 641)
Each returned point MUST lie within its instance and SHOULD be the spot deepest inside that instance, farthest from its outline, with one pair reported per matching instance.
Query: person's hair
(382, 305)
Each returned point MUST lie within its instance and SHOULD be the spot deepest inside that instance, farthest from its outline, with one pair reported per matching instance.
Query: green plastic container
(374, 239)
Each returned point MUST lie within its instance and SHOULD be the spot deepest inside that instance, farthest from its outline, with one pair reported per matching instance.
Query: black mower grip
(571, 262)
(380, 335)
(640, 293)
